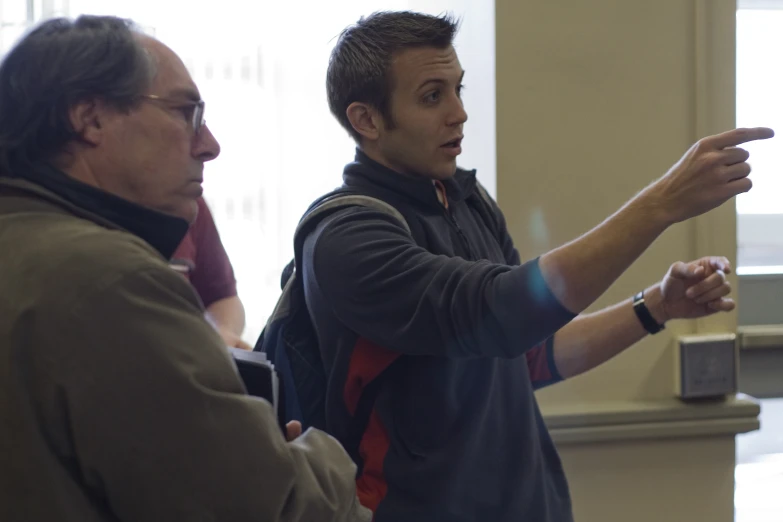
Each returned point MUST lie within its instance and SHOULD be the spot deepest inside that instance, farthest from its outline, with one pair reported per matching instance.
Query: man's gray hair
(59, 64)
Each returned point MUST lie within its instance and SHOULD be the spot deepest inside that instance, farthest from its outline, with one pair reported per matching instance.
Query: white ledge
(662, 419)
(764, 337)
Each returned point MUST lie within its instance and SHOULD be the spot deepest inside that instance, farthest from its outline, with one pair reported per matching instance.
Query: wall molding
(714, 92)
(644, 420)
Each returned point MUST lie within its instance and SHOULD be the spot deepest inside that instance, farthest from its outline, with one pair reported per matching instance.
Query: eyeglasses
(193, 109)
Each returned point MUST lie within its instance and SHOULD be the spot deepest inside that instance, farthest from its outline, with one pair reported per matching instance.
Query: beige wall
(595, 100)
(685, 480)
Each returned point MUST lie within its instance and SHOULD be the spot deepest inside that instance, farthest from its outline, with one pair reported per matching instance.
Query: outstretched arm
(688, 291)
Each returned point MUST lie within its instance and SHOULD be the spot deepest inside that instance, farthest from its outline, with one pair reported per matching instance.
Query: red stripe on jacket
(368, 360)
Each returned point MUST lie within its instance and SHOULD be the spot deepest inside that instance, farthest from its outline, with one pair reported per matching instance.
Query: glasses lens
(198, 117)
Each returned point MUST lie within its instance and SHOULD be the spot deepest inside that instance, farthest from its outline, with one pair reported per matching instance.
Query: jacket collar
(366, 172)
(57, 191)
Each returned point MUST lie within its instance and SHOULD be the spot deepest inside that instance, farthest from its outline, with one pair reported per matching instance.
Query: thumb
(243, 345)
(293, 430)
(682, 270)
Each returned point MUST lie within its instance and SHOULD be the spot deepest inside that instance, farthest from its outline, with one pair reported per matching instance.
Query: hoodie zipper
(450, 216)
(461, 234)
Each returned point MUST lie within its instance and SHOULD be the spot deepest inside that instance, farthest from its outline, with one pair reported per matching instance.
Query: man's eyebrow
(438, 81)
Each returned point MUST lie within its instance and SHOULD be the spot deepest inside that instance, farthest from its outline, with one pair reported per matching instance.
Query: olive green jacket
(118, 401)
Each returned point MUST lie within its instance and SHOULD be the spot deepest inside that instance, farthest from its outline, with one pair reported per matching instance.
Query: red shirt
(203, 260)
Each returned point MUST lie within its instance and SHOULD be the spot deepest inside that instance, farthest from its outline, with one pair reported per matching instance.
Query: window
(760, 102)
(760, 248)
(261, 67)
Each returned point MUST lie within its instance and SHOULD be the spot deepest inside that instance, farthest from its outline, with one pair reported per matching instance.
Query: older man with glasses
(118, 400)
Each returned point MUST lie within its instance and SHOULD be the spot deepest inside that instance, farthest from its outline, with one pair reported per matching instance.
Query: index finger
(682, 270)
(738, 136)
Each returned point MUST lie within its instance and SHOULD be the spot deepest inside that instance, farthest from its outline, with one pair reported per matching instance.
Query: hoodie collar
(366, 172)
(162, 231)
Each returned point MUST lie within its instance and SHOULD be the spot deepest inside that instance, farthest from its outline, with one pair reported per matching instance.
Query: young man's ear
(87, 119)
(365, 120)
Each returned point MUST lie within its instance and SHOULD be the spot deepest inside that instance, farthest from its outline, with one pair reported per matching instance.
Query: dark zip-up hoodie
(456, 434)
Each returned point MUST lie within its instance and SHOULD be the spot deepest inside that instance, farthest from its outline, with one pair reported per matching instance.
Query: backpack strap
(338, 200)
(291, 283)
(332, 202)
(484, 194)
(341, 199)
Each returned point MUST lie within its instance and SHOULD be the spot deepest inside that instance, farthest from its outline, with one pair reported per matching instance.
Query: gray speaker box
(707, 366)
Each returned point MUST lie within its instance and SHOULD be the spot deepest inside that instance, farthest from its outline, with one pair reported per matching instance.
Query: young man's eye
(432, 97)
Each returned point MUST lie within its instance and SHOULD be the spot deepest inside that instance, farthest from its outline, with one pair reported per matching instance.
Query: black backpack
(289, 338)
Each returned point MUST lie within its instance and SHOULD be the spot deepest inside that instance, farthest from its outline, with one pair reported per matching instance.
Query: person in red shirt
(201, 258)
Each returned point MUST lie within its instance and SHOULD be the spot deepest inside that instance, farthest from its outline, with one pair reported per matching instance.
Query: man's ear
(365, 120)
(88, 120)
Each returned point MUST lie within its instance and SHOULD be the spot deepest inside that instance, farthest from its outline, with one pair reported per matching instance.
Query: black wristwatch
(644, 315)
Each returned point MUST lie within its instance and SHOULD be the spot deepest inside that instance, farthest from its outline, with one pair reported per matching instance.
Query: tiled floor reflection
(758, 495)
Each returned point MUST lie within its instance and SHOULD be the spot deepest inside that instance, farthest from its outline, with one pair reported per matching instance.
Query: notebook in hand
(260, 379)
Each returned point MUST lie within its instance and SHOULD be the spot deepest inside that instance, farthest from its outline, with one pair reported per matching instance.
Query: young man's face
(425, 132)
